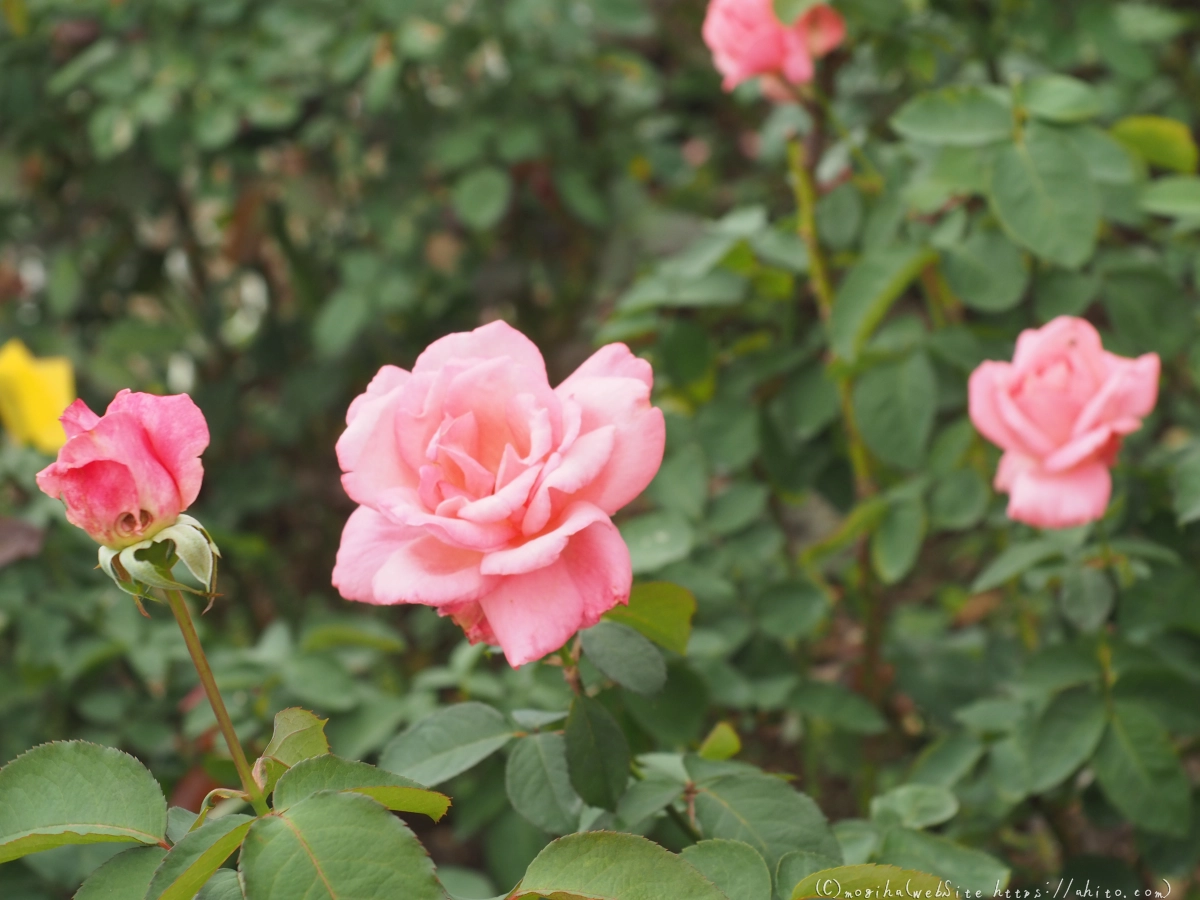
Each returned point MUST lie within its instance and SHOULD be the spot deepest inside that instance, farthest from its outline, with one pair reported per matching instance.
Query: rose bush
(486, 494)
(1059, 411)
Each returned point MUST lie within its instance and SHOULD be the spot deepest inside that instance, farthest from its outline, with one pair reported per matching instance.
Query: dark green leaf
(625, 656)
(986, 271)
(446, 743)
(1065, 736)
(870, 288)
(126, 875)
(597, 753)
(1140, 773)
(539, 786)
(964, 867)
(1086, 598)
(896, 405)
(960, 116)
(332, 773)
(896, 544)
(733, 866)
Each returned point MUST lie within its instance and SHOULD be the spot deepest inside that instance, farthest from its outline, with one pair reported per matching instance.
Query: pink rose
(128, 474)
(1059, 410)
(747, 39)
(487, 495)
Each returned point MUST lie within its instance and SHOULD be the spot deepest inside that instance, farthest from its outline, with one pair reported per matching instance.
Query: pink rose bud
(128, 474)
(747, 39)
(486, 494)
(1059, 410)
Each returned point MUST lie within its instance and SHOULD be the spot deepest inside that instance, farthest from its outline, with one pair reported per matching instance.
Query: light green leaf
(1140, 773)
(126, 875)
(625, 656)
(656, 540)
(794, 867)
(1177, 196)
(1014, 561)
(958, 501)
(601, 865)
(873, 284)
(1108, 160)
(896, 544)
(896, 404)
(342, 318)
(332, 773)
(193, 860)
(722, 743)
(964, 867)
(298, 734)
(766, 813)
(481, 197)
(915, 806)
(1042, 194)
(646, 798)
(986, 271)
(660, 610)
(597, 753)
(332, 846)
(72, 792)
(839, 706)
(960, 116)
(1166, 143)
(1065, 736)
(446, 743)
(539, 786)
(224, 885)
(733, 866)
(1087, 597)
(851, 881)
(1060, 98)
(1185, 487)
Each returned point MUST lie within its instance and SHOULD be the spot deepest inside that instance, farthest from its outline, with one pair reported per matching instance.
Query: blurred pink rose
(128, 474)
(1059, 410)
(486, 494)
(747, 39)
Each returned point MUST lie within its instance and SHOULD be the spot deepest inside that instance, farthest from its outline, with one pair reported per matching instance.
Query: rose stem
(204, 670)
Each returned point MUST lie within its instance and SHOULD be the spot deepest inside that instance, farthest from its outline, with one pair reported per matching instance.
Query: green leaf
(947, 760)
(597, 753)
(224, 885)
(191, 862)
(1160, 141)
(675, 715)
(722, 743)
(1178, 196)
(1014, 561)
(343, 317)
(446, 743)
(539, 786)
(959, 116)
(986, 271)
(1060, 98)
(794, 867)
(915, 806)
(1108, 160)
(298, 734)
(661, 611)
(839, 706)
(1140, 773)
(1041, 192)
(601, 865)
(964, 867)
(896, 544)
(896, 404)
(1065, 736)
(481, 197)
(855, 881)
(656, 540)
(792, 609)
(958, 501)
(625, 656)
(667, 289)
(681, 484)
(646, 798)
(733, 866)
(839, 216)
(332, 846)
(1086, 598)
(126, 875)
(72, 792)
(870, 288)
(332, 773)
(766, 813)
(1185, 487)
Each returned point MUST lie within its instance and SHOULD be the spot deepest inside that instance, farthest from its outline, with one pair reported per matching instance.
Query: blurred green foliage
(262, 202)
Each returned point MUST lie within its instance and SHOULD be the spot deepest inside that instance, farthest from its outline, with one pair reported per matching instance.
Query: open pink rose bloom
(1059, 410)
(747, 39)
(128, 474)
(487, 494)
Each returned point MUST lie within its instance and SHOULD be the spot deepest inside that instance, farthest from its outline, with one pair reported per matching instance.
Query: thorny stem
(800, 166)
(204, 670)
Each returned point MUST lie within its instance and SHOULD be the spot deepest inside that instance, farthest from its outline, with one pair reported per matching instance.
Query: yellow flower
(33, 394)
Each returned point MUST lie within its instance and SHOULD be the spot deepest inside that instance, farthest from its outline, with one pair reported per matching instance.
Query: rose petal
(536, 613)
(1061, 499)
(98, 495)
(568, 475)
(823, 29)
(546, 548)
(177, 432)
(429, 572)
(1099, 444)
(985, 385)
(367, 541)
(78, 418)
(1130, 392)
(1056, 337)
(496, 340)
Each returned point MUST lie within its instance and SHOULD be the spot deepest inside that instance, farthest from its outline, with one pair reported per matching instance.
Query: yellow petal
(33, 394)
